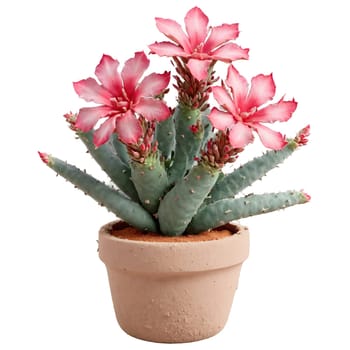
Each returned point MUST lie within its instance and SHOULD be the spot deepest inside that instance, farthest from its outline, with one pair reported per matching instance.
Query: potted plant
(176, 242)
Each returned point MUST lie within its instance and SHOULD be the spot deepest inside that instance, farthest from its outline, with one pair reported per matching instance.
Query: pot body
(173, 292)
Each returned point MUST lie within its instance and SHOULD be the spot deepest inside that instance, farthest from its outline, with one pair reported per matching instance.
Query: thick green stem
(181, 203)
(208, 131)
(232, 184)
(165, 135)
(120, 149)
(112, 199)
(188, 141)
(151, 181)
(225, 210)
(115, 168)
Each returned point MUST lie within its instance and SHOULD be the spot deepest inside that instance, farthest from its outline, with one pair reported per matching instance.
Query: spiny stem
(112, 199)
(181, 203)
(233, 183)
(226, 210)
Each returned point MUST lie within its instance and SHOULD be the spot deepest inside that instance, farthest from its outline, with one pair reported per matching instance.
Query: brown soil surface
(123, 230)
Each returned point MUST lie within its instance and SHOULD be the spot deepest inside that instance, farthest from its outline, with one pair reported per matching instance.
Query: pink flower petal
(152, 85)
(128, 128)
(107, 72)
(221, 120)
(220, 35)
(91, 91)
(196, 23)
(174, 32)
(153, 109)
(240, 135)
(133, 71)
(270, 138)
(277, 112)
(261, 91)
(238, 85)
(89, 116)
(104, 132)
(199, 68)
(224, 99)
(167, 49)
(230, 52)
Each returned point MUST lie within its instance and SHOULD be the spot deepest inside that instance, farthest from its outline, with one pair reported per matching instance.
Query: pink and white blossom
(245, 108)
(201, 44)
(121, 99)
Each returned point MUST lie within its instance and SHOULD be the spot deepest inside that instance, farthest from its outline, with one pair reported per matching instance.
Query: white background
(294, 288)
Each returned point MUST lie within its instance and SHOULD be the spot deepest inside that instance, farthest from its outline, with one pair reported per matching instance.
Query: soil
(123, 230)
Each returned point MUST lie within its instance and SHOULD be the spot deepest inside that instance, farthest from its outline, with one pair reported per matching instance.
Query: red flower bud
(44, 157)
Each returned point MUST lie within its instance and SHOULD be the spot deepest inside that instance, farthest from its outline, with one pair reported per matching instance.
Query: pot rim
(122, 224)
(164, 257)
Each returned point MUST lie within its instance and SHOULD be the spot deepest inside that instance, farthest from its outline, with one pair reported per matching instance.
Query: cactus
(225, 210)
(151, 181)
(167, 164)
(106, 196)
(120, 149)
(232, 184)
(165, 135)
(181, 203)
(188, 138)
(115, 168)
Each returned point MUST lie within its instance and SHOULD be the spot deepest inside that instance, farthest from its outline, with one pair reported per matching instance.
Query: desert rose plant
(166, 164)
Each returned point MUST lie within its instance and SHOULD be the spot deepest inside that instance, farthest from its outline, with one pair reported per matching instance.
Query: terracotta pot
(173, 292)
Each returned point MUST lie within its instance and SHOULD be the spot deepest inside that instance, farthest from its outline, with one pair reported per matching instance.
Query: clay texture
(173, 292)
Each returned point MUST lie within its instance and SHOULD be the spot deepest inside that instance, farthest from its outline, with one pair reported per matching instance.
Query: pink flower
(245, 109)
(201, 45)
(121, 99)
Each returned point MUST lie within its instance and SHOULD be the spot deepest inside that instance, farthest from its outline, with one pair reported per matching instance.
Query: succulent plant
(166, 165)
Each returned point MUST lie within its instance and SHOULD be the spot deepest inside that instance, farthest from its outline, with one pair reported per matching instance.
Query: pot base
(173, 309)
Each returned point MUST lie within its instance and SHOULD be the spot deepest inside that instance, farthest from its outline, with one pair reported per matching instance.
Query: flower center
(244, 115)
(198, 49)
(120, 104)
